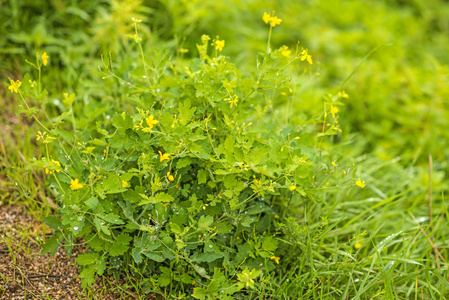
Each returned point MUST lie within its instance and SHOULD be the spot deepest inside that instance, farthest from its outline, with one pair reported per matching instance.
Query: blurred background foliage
(396, 101)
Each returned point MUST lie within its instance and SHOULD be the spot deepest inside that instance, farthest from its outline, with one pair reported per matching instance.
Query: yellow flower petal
(286, 53)
(360, 183)
(163, 156)
(266, 17)
(151, 121)
(219, 45)
(75, 185)
(275, 21)
(170, 177)
(45, 58)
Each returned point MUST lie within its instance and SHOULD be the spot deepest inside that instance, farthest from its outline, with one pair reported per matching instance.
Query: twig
(47, 276)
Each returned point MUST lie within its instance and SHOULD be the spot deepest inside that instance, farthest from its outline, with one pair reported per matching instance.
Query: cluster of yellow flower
(272, 19)
(56, 164)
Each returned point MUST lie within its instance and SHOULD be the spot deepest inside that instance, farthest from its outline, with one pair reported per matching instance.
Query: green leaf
(199, 293)
(204, 222)
(154, 256)
(158, 198)
(186, 278)
(229, 144)
(111, 218)
(185, 112)
(207, 257)
(120, 245)
(175, 228)
(127, 209)
(52, 244)
(87, 258)
(92, 203)
(247, 221)
(53, 222)
(122, 121)
(165, 277)
(88, 276)
(112, 185)
(224, 227)
(101, 226)
(202, 176)
(270, 244)
(184, 162)
(201, 271)
(101, 267)
(137, 255)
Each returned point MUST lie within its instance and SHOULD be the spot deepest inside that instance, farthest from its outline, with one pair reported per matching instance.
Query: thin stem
(39, 84)
(36, 119)
(143, 56)
(269, 39)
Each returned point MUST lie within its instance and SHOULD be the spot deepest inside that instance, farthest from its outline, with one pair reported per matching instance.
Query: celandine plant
(189, 181)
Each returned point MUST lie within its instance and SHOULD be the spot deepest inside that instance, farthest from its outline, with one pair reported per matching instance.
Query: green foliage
(191, 178)
(230, 174)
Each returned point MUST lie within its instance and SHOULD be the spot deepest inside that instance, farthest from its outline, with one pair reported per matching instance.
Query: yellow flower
(124, 184)
(234, 102)
(266, 17)
(14, 86)
(292, 188)
(45, 58)
(163, 156)
(75, 184)
(305, 56)
(170, 177)
(360, 183)
(275, 258)
(275, 21)
(342, 94)
(151, 121)
(334, 110)
(53, 162)
(219, 45)
(276, 216)
(286, 52)
(334, 164)
(357, 245)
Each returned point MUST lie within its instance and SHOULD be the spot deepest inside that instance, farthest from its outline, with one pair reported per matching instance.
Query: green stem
(36, 119)
(269, 39)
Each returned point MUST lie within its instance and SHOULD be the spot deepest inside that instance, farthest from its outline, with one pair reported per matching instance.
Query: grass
(395, 118)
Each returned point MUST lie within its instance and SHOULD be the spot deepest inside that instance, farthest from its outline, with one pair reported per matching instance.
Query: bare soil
(26, 274)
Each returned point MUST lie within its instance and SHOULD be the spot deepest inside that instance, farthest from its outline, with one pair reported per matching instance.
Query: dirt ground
(26, 274)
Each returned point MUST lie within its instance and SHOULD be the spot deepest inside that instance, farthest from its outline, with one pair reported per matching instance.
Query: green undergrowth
(222, 163)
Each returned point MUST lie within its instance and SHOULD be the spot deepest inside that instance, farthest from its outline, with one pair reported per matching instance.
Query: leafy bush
(229, 133)
(186, 170)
